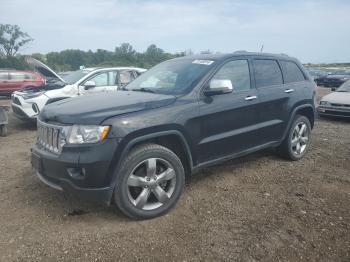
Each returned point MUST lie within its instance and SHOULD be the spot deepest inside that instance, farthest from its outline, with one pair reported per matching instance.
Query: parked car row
(135, 147)
(329, 77)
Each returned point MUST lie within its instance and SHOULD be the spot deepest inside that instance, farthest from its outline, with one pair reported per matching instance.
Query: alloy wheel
(151, 183)
(300, 138)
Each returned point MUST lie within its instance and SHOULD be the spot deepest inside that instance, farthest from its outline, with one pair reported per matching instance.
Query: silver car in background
(336, 103)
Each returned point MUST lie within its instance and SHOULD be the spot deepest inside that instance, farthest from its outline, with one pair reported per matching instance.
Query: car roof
(18, 71)
(115, 68)
(219, 57)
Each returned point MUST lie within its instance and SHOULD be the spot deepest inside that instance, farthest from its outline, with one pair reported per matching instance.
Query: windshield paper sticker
(203, 62)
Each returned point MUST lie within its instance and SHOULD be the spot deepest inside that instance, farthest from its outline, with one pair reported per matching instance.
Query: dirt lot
(256, 208)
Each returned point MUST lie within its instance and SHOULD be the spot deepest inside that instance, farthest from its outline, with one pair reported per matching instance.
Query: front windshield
(344, 87)
(73, 77)
(173, 77)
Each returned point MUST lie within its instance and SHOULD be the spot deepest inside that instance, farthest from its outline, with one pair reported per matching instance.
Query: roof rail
(240, 51)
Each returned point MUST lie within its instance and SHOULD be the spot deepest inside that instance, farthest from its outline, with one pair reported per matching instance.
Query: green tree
(12, 39)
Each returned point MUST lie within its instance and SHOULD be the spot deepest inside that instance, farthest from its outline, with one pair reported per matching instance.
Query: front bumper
(334, 111)
(84, 171)
(21, 114)
(24, 109)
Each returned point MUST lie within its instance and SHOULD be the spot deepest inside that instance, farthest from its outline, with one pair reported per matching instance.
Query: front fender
(126, 144)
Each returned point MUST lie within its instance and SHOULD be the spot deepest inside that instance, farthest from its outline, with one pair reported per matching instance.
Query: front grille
(16, 101)
(340, 105)
(50, 137)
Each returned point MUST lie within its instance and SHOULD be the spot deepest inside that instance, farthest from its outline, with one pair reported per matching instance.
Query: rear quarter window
(267, 73)
(292, 72)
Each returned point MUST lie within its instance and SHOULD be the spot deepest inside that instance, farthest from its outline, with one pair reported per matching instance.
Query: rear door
(274, 99)
(228, 122)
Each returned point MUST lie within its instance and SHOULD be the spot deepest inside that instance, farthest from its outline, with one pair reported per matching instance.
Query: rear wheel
(150, 182)
(297, 141)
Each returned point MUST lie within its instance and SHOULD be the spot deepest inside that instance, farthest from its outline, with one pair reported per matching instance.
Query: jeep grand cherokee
(136, 146)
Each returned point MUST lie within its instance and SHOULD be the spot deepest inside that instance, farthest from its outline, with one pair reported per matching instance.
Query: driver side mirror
(218, 87)
(89, 84)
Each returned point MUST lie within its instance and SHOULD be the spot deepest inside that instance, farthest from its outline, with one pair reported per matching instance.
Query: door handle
(249, 98)
(289, 91)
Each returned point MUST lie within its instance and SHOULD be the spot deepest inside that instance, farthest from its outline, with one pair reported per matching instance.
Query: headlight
(32, 95)
(324, 103)
(87, 134)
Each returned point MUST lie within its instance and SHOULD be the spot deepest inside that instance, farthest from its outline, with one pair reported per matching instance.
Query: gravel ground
(255, 208)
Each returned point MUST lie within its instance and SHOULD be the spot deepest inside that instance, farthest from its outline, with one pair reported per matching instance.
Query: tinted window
(292, 72)
(238, 72)
(17, 76)
(267, 73)
(4, 76)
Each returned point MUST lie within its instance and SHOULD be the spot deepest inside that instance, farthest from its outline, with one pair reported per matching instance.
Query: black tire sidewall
(297, 120)
(121, 194)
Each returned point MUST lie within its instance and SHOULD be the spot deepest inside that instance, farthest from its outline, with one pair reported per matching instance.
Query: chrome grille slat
(49, 136)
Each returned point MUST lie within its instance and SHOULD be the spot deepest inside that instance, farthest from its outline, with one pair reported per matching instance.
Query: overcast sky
(311, 30)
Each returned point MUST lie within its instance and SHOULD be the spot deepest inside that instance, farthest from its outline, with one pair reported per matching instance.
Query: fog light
(35, 108)
(76, 172)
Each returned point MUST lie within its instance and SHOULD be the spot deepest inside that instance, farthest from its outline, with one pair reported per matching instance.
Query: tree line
(123, 55)
(12, 39)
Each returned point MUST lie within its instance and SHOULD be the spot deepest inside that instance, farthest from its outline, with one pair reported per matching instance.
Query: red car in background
(11, 80)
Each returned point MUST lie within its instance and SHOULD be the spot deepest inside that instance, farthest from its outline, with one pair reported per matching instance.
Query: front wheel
(150, 182)
(298, 138)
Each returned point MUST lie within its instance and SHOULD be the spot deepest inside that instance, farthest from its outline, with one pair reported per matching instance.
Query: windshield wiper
(143, 89)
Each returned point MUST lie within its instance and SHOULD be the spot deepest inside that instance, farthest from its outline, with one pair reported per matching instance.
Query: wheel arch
(174, 140)
(304, 110)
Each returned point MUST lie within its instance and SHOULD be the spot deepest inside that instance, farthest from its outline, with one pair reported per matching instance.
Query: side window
(238, 72)
(29, 76)
(267, 73)
(100, 79)
(292, 72)
(17, 76)
(126, 77)
(4, 76)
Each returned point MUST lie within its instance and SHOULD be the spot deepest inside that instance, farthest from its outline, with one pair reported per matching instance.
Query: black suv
(136, 146)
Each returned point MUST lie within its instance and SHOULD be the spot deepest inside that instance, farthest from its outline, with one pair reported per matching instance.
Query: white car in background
(27, 103)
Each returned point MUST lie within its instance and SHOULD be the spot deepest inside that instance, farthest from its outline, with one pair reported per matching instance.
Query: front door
(103, 81)
(228, 122)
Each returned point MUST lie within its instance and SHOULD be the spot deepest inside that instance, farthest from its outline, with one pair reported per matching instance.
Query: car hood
(338, 98)
(93, 109)
(43, 69)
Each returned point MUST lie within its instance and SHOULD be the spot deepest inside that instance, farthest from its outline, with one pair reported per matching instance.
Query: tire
(142, 177)
(3, 130)
(289, 147)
